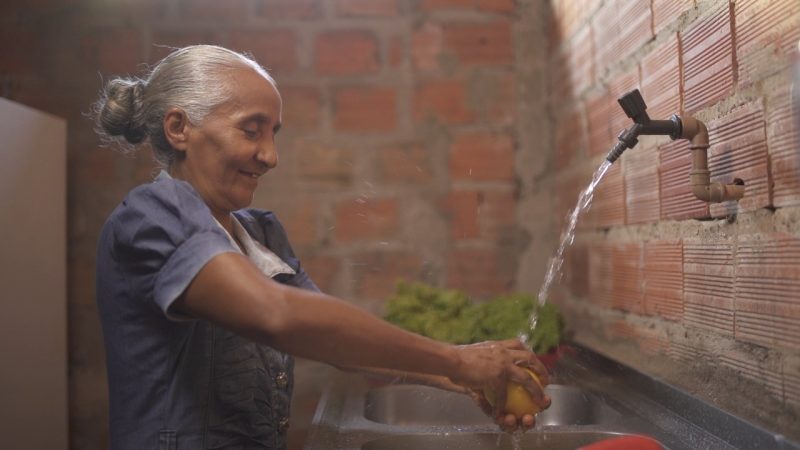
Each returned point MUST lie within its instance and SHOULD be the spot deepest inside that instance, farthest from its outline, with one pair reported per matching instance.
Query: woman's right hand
(491, 365)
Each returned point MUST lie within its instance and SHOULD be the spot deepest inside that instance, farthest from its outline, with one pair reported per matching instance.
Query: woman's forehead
(252, 91)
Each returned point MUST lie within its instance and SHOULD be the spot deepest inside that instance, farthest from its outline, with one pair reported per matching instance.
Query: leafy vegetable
(449, 315)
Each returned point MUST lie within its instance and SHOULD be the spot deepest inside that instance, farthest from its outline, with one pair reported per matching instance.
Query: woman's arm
(233, 293)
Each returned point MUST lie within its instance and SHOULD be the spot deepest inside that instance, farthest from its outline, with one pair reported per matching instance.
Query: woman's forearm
(231, 291)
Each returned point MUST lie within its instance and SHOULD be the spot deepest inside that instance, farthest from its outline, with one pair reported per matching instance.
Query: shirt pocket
(167, 439)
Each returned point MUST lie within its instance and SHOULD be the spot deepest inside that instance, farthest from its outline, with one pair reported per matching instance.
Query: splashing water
(584, 201)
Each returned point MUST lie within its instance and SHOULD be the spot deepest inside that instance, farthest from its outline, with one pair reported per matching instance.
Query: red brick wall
(445, 141)
(397, 155)
(667, 272)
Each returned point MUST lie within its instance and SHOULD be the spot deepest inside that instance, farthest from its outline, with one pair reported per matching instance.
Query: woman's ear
(176, 128)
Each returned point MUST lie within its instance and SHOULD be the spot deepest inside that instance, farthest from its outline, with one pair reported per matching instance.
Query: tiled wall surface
(667, 272)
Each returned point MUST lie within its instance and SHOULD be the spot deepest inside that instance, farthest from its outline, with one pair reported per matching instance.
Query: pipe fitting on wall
(702, 187)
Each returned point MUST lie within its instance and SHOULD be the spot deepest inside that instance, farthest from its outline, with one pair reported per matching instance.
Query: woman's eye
(250, 134)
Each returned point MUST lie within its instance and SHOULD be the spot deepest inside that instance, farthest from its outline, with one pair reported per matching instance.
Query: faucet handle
(633, 105)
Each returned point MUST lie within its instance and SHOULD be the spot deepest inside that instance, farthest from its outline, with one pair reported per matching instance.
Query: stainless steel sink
(595, 398)
(480, 441)
(422, 405)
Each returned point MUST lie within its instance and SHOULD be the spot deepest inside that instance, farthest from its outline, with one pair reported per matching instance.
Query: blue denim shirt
(177, 382)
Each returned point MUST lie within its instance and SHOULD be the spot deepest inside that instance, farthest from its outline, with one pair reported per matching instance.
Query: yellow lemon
(518, 400)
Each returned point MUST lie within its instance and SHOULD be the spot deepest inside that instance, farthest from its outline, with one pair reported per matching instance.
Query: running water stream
(584, 202)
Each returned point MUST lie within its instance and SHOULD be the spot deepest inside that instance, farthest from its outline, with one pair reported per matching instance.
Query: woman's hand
(491, 365)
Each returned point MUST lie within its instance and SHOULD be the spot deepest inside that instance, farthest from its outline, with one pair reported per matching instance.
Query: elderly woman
(202, 300)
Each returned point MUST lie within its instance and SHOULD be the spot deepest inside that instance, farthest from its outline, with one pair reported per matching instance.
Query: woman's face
(234, 145)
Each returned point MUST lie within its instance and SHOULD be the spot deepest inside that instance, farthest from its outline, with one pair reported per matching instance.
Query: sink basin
(480, 441)
(422, 405)
(601, 399)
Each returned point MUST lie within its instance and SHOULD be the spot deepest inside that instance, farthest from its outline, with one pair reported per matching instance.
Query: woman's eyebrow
(258, 118)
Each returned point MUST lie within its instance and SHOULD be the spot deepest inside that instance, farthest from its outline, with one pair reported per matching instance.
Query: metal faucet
(676, 128)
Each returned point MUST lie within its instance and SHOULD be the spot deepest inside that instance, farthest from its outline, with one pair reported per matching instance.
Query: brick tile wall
(663, 275)
(707, 55)
(739, 150)
(767, 287)
(444, 116)
(708, 279)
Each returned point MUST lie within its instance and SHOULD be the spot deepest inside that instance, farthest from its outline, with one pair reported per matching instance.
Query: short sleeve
(165, 234)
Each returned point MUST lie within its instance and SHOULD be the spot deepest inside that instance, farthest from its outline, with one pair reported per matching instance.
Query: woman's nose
(268, 155)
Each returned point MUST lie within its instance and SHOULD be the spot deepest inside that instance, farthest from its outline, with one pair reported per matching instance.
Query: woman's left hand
(507, 422)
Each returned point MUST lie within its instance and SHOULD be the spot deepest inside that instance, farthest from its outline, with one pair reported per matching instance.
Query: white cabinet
(33, 288)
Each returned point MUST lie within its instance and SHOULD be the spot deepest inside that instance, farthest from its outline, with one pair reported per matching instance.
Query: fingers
(530, 361)
(500, 390)
(528, 422)
(480, 399)
(522, 377)
(509, 422)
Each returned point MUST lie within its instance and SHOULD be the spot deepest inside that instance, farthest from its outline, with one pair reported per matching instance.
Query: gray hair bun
(120, 110)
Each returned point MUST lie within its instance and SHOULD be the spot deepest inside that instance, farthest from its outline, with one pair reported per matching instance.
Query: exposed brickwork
(708, 285)
(661, 79)
(482, 157)
(576, 272)
(599, 108)
(479, 271)
(601, 274)
(756, 371)
(580, 64)
(649, 341)
(408, 164)
(499, 6)
(413, 130)
(366, 219)
(346, 53)
(663, 279)
(768, 290)
(765, 33)
(365, 109)
(301, 221)
(712, 291)
(233, 10)
(569, 139)
(480, 43)
(739, 150)
(113, 51)
(377, 273)
(608, 205)
(783, 140)
(302, 107)
(627, 277)
(707, 54)
(620, 27)
(426, 46)
(443, 100)
(642, 185)
(497, 214)
(461, 209)
(323, 270)
(320, 164)
(276, 10)
(666, 12)
(367, 8)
